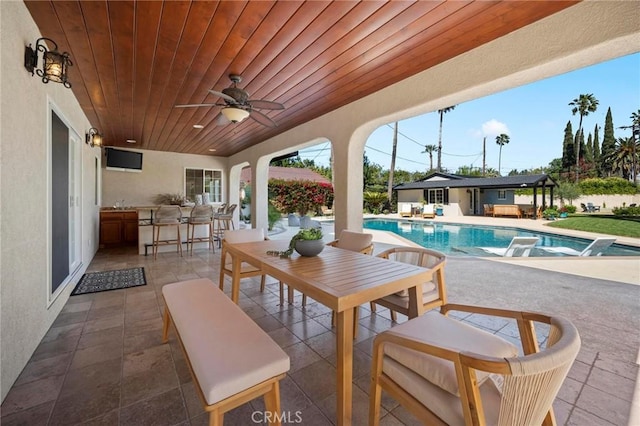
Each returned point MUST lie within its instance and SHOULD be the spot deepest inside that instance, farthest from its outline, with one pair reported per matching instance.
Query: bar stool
(200, 215)
(223, 221)
(167, 216)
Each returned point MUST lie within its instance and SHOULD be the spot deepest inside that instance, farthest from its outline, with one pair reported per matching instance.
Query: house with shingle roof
(286, 173)
(467, 195)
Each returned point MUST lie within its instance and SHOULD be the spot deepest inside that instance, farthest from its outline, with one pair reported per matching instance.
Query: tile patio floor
(102, 362)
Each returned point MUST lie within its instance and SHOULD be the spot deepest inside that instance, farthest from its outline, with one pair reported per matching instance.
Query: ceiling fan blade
(262, 119)
(194, 105)
(222, 95)
(262, 104)
(221, 120)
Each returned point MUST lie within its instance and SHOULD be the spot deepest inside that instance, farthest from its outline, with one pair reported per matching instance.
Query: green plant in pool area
(611, 225)
(303, 234)
(374, 201)
(626, 211)
(550, 213)
(273, 215)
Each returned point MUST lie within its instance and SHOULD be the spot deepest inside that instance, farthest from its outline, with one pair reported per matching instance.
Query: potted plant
(563, 212)
(550, 213)
(307, 242)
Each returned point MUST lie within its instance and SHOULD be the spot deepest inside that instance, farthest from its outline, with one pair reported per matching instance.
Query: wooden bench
(232, 360)
(506, 210)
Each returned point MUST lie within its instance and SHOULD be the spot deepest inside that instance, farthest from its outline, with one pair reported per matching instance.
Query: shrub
(374, 201)
(273, 215)
(301, 196)
(569, 208)
(612, 185)
(626, 211)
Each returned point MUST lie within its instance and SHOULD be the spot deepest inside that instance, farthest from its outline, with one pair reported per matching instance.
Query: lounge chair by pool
(428, 211)
(596, 248)
(519, 247)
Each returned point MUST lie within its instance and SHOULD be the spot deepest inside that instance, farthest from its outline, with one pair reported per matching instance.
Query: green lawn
(612, 225)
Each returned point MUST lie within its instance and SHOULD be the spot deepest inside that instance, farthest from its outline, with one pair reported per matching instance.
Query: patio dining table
(341, 280)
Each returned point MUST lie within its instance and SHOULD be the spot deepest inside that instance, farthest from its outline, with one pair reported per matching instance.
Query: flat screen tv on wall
(126, 161)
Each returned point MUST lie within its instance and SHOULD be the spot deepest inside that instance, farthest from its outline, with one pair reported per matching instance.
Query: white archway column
(233, 190)
(260, 192)
(348, 151)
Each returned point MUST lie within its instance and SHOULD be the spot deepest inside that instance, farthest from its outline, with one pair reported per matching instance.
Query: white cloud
(494, 127)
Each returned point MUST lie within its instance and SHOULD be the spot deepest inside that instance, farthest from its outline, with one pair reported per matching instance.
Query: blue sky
(534, 116)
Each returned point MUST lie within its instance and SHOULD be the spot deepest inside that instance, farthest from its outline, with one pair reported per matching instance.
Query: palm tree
(621, 159)
(583, 105)
(430, 149)
(442, 112)
(635, 133)
(393, 161)
(501, 140)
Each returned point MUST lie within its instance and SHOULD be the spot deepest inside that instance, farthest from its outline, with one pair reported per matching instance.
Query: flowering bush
(301, 196)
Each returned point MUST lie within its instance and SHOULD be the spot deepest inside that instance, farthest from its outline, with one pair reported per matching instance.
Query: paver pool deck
(103, 361)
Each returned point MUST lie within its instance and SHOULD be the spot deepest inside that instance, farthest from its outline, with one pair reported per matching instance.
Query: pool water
(465, 240)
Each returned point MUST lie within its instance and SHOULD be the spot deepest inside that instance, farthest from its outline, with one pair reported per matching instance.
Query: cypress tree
(596, 149)
(568, 152)
(583, 146)
(588, 151)
(608, 144)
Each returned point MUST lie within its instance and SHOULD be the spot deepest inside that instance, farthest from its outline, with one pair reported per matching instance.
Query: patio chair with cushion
(596, 248)
(488, 209)
(446, 372)
(434, 292)
(519, 247)
(593, 208)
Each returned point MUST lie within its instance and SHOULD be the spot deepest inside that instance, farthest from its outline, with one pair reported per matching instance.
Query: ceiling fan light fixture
(234, 115)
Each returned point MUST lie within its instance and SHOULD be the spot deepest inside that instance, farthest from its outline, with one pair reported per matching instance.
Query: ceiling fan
(237, 106)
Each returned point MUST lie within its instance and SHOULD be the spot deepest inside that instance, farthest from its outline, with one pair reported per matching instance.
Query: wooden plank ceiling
(135, 60)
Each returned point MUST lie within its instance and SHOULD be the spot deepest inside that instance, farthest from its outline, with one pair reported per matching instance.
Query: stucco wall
(24, 200)
(162, 173)
(604, 201)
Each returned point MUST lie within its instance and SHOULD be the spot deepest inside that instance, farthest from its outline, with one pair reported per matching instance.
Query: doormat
(94, 282)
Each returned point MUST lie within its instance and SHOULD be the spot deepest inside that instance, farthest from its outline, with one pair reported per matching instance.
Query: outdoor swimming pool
(464, 240)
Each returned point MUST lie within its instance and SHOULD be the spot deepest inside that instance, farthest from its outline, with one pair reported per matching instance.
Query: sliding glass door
(65, 213)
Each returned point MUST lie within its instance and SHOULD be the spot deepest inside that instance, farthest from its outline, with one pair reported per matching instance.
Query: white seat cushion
(442, 403)
(227, 350)
(401, 298)
(435, 329)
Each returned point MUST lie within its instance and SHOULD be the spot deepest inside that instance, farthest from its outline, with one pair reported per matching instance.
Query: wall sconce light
(94, 138)
(235, 115)
(54, 64)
